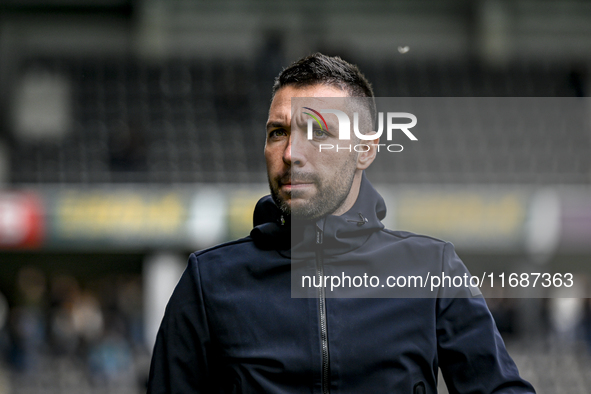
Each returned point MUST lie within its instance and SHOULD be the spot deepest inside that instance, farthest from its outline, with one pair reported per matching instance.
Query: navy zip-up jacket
(232, 326)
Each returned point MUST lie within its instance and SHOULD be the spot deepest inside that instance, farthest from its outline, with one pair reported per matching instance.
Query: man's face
(305, 182)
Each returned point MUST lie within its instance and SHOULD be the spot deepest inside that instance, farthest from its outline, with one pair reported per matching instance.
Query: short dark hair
(319, 69)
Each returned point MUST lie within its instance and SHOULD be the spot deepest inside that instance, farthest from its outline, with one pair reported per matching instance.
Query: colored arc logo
(316, 119)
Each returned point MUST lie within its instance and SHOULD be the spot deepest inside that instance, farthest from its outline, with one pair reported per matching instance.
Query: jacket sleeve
(471, 352)
(179, 361)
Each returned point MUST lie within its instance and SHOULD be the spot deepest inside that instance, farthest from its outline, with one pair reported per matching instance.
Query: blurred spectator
(87, 318)
(130, 305)
(566, 315)
(27, 320)
(64, 294)
(110, 360)
(4, 340)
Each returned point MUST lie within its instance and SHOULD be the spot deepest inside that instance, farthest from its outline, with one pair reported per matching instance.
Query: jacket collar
(340, 234)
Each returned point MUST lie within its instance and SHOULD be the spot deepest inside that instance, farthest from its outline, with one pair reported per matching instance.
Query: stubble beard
(330, 193)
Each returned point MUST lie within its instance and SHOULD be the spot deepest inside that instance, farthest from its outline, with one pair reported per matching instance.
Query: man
(232, 325)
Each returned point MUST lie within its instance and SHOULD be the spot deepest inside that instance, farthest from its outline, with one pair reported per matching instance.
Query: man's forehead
(321, 96)
(290, 101)
(318, 103)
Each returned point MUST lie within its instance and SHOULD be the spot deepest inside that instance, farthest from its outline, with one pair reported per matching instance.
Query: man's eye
(318, 133)
(277, 133)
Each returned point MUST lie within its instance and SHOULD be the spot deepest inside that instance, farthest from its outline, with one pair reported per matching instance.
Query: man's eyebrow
(275, 124)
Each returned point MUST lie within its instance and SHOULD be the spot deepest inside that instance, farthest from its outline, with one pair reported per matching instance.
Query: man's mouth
(301, 182)
(295, 185)
(300, 185)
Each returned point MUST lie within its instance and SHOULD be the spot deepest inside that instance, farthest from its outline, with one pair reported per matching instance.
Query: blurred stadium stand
(188, 121)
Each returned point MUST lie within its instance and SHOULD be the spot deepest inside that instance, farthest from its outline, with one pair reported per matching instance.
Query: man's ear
(364, 159)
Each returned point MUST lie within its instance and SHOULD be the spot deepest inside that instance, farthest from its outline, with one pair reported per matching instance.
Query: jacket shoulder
(226, 246)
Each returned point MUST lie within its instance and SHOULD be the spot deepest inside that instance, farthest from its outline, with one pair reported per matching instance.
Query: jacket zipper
(322, 308)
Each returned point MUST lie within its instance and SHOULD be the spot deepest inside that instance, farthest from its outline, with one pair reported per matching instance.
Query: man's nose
(287, 152)
(294, 151)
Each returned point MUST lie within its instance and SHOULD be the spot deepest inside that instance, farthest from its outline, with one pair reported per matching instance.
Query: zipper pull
(419, 388)
(359, 222)
(319, 235)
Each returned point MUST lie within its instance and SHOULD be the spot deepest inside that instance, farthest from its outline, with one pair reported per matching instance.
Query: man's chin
(302, 194)
(302, 209)
(296, 203)
(297, 196)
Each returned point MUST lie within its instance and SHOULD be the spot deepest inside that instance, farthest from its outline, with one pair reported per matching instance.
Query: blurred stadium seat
(202, 121)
